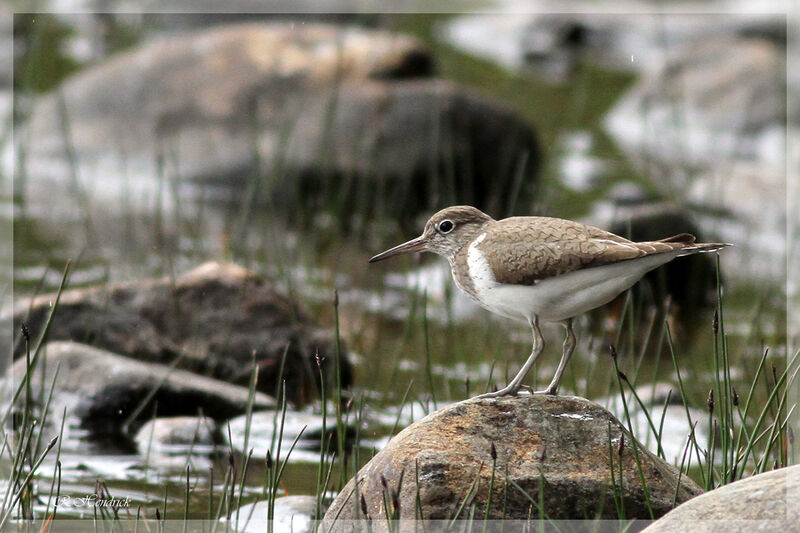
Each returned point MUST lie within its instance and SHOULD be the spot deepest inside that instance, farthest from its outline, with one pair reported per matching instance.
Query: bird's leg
(516, 383)
(569, 347)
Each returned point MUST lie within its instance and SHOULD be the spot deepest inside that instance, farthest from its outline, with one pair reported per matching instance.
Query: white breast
(486, 287)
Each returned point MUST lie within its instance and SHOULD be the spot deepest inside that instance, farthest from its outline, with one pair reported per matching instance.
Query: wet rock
(291, 514)
(765, 502)
(172, 443)
(566, 443)
(214, 320)
(410, 146)
(312, 112)
(104, 390)
(177, 431)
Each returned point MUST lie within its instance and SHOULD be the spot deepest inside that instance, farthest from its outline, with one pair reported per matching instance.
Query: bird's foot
(549, 391)
(505, 391)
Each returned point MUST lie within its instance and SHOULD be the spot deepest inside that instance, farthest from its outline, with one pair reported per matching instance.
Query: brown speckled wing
(526, 250)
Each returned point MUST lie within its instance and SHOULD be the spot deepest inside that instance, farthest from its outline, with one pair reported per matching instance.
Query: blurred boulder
(215, 320)
(170, 443)
(180, 431)
(326, 113)
(557, 451)
(718, 99)
(104, 390)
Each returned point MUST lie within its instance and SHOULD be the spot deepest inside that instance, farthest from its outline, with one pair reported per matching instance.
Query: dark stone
(397, 149)
(566, 443)
(214, 320)
(765, 502)
(104, 390)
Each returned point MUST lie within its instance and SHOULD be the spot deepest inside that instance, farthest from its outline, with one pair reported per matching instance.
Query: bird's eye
(446, 226)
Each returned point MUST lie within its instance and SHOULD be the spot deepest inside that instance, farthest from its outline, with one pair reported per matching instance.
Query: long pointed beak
(414, 245)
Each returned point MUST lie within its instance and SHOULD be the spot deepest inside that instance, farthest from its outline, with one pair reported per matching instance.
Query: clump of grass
(27, 456)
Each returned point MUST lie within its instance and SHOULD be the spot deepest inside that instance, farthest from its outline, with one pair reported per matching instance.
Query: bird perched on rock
(540, 269)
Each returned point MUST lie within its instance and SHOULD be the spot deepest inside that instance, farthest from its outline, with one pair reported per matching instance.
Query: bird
(540, 269)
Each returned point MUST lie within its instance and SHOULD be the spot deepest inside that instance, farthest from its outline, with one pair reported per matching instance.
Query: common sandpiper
(540, 269)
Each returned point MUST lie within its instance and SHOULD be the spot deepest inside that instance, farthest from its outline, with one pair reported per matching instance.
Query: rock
(412, 146)
(177, 431)
(565, 442)
(172, 443)
(317, 112)
(728, 95)
(212, 320)
(103, 390)
(765, 502)
(291, 514)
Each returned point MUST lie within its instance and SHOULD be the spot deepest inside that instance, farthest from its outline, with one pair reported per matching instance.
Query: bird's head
(445, 233)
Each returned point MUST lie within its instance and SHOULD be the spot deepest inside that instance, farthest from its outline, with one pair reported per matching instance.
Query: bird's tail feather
(704, 247)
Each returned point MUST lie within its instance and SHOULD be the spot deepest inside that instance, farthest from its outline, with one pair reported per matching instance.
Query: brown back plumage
(526, 250)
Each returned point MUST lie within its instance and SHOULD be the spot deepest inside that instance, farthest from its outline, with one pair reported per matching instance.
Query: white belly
(561, 297)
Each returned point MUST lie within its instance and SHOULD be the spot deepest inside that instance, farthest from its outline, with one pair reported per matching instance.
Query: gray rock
(320, 112)
(212, 320)
(716, 100)
(567, 443)
(177, 431)
(291, 514)
(766, 502)
(103, 390)
(172, 443)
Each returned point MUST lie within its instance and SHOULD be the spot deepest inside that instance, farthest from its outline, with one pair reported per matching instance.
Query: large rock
(319, 111)
(103, 390)
(716, 100)
(214, 320)
(766, 502)
(709, 126)
(173, 442)
(569, 444)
